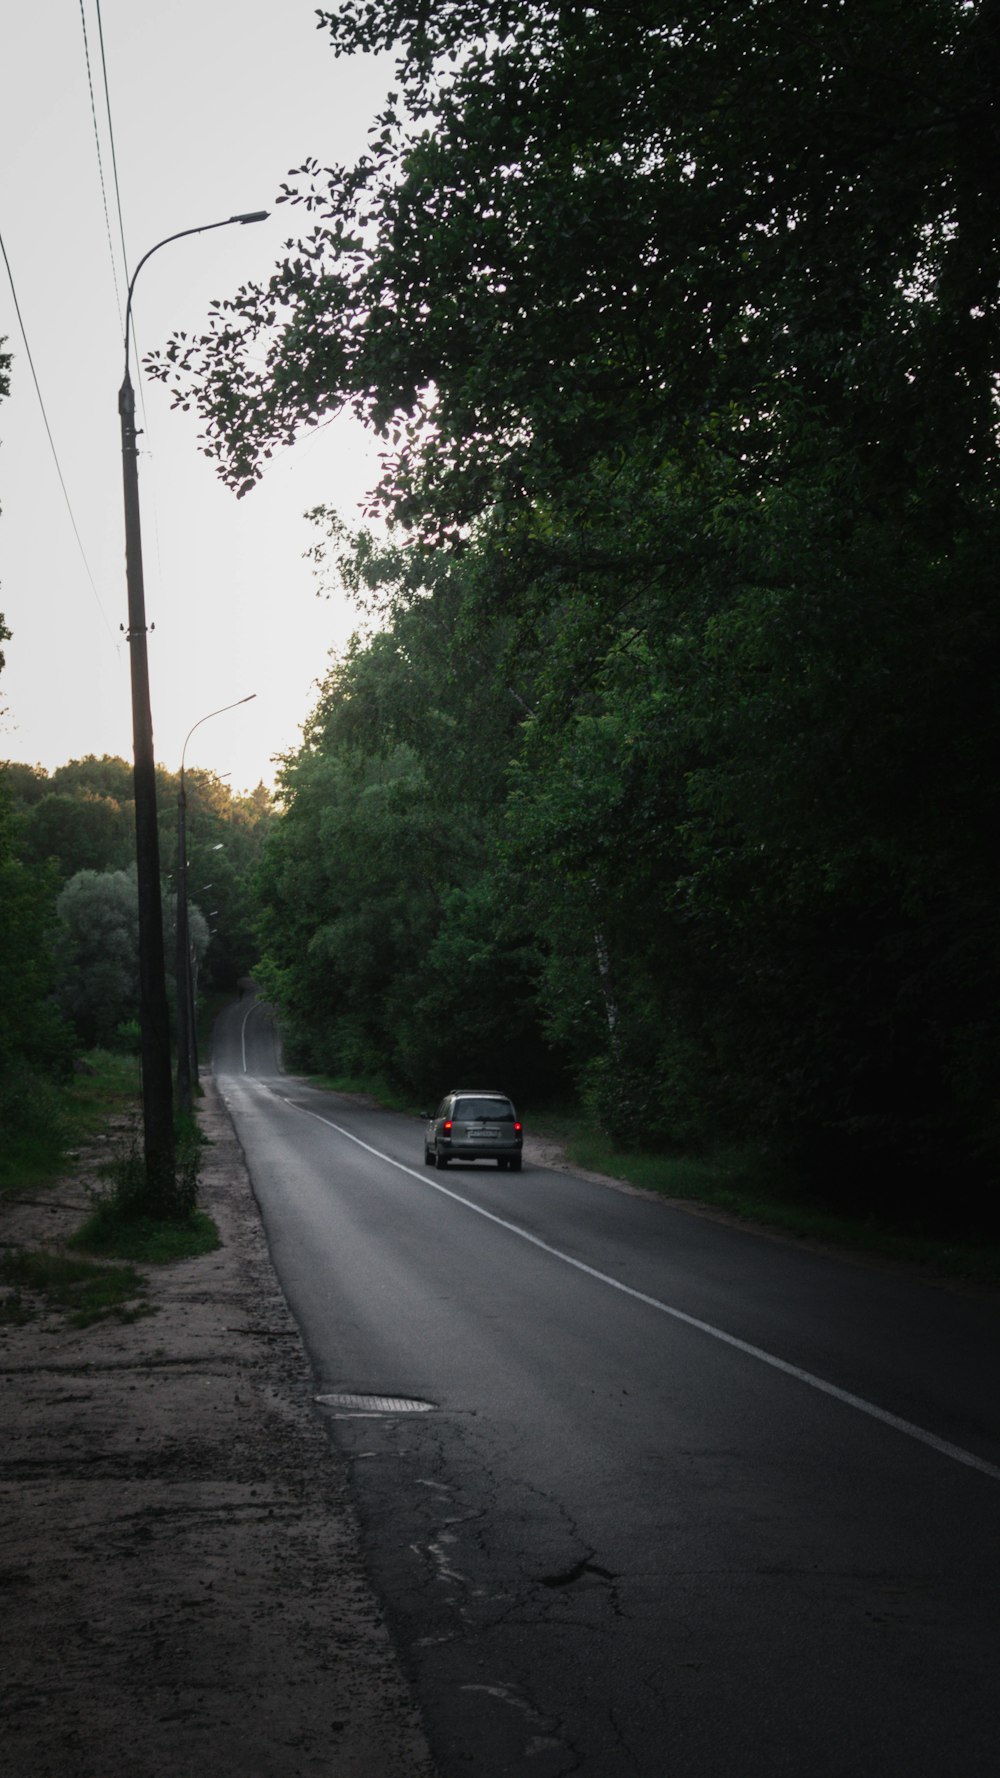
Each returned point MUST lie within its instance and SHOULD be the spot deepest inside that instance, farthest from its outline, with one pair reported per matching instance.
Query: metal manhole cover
(373, 1404)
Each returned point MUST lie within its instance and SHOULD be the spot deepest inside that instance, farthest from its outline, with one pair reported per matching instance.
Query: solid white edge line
(923, 1437)
(243, 1030)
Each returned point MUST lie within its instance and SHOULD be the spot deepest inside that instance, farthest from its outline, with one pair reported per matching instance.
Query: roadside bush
(29, 1102)
(126, 1198)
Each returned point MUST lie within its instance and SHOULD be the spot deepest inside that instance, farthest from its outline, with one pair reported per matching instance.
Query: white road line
(254, 1004)
(923, 1437)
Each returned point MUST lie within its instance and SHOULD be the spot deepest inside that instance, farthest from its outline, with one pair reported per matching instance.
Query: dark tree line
(70, 901)
(673, 765)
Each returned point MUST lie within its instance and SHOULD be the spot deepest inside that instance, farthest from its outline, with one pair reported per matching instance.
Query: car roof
(477, 1093)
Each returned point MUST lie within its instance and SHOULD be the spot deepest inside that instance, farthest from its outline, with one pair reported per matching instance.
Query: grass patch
(104, 1082)
(54, 1118)
(123, 1225)
(143, 1238)
(87, 1292)
(676, 1176)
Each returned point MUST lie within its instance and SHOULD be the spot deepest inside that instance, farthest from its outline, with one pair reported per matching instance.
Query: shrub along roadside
(57, 1117)
(119, 1224)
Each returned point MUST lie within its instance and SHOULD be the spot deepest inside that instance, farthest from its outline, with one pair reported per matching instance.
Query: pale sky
(212, 102)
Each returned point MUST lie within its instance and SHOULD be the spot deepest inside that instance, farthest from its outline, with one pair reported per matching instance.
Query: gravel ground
(182, 1587)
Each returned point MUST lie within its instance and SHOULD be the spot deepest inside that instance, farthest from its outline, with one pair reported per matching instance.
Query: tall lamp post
(154, 1023)
(187, 1051)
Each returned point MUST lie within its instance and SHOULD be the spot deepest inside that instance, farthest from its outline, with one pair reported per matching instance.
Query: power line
(114, 174)
(100, 161)
(111, 137)
(52, 443)
(121, 223)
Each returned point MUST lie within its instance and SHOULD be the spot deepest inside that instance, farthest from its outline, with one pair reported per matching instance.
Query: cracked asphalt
(182, 1584)
(663, 1518)
(610, 1546)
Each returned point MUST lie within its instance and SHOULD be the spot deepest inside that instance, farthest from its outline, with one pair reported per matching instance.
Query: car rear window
(492, 1111)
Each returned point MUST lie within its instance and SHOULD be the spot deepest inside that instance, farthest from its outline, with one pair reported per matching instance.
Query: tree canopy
(577, 223)
(679, 326)
(81, 817)
(69, 916)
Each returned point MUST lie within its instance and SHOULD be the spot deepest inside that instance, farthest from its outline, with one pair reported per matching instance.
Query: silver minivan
(474, 1124)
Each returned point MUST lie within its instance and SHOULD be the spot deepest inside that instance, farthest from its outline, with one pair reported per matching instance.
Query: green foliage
(128, 1037)
(86, 1292)
(386, 931)
(24, 785)
(31, 1033)
(674, 756)
(147, 1240)
(81, 817)
(104, 1084)
(35, 1126)
(224, 837)
(35, 1045)
(99, 987)
(576, 226)
(43, 1119)
(129, 1202)
(80, 832)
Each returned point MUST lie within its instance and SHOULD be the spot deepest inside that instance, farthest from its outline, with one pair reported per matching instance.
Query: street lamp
(154, 1023)
(187, 1047)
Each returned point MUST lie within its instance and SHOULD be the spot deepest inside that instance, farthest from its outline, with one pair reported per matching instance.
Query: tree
(108, 777)
(99, 952)
(79, 833)
(30, 1033)
(81, 817)
(390, 940)
(99, 988)
(689, 400)
(25, 784)
(33, 1041)
(224, 837)
(575, 225)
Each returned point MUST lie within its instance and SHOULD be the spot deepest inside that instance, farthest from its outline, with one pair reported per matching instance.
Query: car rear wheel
(515, 1164)
(428, 1157)
(440, 1160)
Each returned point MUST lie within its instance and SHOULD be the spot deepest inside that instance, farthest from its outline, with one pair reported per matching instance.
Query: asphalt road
(687, 1500)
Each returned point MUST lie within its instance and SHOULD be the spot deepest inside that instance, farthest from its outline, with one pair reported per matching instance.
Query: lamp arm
(203, 228)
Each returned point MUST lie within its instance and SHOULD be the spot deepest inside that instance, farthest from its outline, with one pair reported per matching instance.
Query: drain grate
(373, 1404)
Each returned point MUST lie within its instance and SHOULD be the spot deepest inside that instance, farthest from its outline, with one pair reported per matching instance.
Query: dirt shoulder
(182, 1589)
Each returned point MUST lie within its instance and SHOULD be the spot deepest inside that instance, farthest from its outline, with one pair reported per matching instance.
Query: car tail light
(446, 1126)
(517, 1129)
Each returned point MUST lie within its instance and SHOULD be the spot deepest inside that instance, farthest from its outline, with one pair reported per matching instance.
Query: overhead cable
(100, 161)
(121, 223)
(52, 443)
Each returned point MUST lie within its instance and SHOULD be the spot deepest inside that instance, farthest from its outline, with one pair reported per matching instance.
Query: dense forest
(669, 769)
(664, 771)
